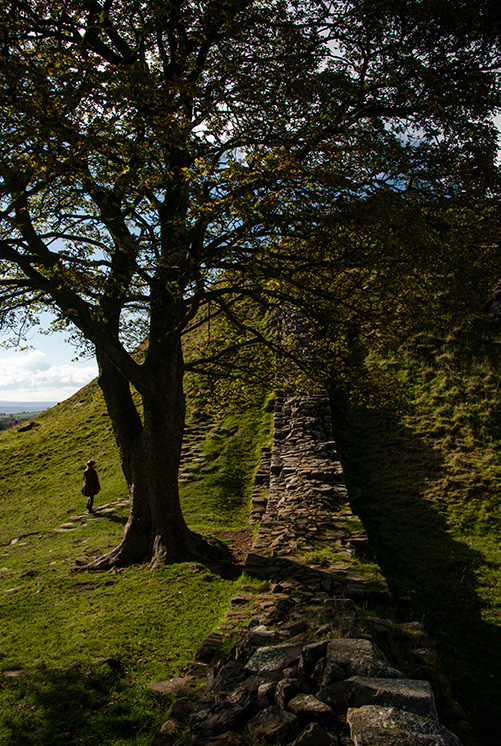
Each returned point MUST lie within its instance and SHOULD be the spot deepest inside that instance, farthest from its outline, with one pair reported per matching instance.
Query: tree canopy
(164, 157)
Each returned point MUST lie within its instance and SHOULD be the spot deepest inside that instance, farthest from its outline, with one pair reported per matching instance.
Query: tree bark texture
(150, 451)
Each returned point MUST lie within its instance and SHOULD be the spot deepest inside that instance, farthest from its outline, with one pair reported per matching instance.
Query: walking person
(90, 486)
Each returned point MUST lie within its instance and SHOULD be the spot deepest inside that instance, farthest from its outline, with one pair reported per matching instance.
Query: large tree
(160, 157)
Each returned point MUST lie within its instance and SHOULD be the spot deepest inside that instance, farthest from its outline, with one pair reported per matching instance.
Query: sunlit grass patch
(59, 622)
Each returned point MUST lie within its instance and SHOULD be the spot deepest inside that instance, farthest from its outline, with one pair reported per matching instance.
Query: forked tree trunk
(150, 453)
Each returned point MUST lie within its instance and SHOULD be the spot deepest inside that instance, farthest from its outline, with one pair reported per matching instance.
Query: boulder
(307, 705)
(274, 658)
(387, 726)
(176, 685)
(412, 695)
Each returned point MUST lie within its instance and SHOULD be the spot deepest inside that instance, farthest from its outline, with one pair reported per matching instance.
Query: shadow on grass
(431, 575)
(56, 707)
(111, 517)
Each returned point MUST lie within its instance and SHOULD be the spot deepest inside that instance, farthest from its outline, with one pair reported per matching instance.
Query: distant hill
(15, 407)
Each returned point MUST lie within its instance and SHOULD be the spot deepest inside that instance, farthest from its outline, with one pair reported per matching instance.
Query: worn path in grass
(88, 644)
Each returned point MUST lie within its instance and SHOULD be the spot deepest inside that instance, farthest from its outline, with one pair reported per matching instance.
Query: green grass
(217, 496)
(57, 623)
(150, 622)
(430, 478)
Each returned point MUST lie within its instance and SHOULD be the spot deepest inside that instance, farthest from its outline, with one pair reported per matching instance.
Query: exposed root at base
(206, 550)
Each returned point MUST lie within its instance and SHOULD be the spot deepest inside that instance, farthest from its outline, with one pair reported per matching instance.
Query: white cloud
(29, 376)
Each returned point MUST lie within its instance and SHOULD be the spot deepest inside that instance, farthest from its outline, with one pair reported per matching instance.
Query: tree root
(208, 551)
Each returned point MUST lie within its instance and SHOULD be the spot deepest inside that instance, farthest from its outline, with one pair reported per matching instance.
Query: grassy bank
(428, 475)
(78, 649)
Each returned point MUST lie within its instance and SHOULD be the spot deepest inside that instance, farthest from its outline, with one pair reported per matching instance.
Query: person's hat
(90, 463)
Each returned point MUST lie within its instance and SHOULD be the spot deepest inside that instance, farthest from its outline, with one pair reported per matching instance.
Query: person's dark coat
(90, 486)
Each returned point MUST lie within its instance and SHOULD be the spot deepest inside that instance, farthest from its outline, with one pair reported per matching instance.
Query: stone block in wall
(327, 673)
(345, 650)
(274, 658)
(373, 669)
(390, 726)
(367, 593)
(338, 696)
(311, 654)
(255, 563)
(307, 706)
(210, 648)
(412, 695)
(228, 676)
(215, 720)
(287, 689)
(256, 637)
(359, 543)
(272, 722)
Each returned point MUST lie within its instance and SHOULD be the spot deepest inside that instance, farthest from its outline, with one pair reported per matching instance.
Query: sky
(46, 372)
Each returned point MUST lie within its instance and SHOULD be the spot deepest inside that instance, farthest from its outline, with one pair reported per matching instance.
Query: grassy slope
(430, 478)
(57, 624)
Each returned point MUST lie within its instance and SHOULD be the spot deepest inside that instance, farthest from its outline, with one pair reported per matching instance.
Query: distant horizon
(45, 373)
(17, 407)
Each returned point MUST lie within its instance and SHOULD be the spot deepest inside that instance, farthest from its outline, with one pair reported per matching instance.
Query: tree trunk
(150, 451)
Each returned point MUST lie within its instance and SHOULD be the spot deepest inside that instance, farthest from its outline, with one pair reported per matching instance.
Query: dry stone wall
(297, 660)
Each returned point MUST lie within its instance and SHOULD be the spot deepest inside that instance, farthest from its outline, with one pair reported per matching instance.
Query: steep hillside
(78, 649)
(426, 479)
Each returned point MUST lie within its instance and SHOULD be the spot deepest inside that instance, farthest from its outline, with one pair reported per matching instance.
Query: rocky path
(80, 520)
